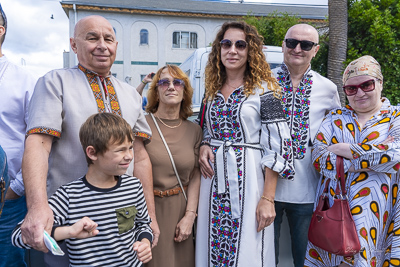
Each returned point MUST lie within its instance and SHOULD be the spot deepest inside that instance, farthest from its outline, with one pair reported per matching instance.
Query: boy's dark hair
(102, 129)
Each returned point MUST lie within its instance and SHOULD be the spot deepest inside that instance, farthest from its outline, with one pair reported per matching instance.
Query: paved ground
(285, 257)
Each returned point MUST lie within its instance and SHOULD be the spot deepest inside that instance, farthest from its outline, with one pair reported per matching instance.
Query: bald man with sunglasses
(306, 98)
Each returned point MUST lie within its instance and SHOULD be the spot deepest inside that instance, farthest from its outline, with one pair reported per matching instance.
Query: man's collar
(85, 70)
(286, 69)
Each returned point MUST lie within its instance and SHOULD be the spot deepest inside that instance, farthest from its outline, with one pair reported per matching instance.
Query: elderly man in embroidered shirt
(62, 101)
(16, 88)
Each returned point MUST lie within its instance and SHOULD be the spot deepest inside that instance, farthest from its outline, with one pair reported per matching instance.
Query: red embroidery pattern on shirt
(143, 135)
(44, 130)
(93, 81)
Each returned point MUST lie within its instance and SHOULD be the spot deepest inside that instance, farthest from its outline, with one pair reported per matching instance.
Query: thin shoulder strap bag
(169, 154)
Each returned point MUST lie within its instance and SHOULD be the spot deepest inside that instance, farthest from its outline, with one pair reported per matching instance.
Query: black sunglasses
(366, 86)
(239, 44)
(304, 45)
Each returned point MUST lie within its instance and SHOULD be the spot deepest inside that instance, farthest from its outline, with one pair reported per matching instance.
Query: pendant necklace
(166, 125)
(233, 87)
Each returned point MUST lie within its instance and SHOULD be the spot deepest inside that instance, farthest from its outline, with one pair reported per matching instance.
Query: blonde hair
(152, 95)
(257, 68)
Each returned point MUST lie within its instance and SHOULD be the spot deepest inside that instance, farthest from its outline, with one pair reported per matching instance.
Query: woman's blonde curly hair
(152, 94)
(257, 68)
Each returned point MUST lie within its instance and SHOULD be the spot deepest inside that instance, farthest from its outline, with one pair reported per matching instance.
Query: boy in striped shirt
(102, 216)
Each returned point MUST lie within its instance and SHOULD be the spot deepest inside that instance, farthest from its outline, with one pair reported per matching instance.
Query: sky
(34, 39)
(37, 41)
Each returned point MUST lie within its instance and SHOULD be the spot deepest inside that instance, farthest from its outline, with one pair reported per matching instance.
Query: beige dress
(183, 143)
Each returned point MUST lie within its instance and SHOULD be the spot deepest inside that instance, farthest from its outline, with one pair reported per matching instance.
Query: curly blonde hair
(257, 68)
(152, 95)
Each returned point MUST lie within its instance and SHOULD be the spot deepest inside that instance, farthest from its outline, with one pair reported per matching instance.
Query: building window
(184, 40)
(144, 37)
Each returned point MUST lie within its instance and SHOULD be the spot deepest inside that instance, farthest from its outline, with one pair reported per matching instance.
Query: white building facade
(152, 33)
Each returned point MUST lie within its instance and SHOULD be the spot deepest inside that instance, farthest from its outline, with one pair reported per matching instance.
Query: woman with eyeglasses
(249, 143)
(169, 105)
(366, 133)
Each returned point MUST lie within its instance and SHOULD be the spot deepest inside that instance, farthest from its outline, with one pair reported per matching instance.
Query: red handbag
(333, 228)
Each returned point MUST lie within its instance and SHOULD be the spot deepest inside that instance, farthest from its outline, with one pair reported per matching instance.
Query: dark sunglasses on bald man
(304, 45)
(239, 44)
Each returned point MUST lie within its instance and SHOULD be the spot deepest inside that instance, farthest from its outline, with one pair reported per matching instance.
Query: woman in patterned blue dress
(367, 134)
(250, 142)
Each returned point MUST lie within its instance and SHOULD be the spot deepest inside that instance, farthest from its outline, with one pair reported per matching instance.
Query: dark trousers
(14, 211)
(299, 217)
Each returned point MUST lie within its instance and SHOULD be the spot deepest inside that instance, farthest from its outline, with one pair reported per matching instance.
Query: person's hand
(38, 219)
(11, 194)
(388, 140)
(184, 227)
(156, 232)
(143, 250)
(341, 149)
(352, 169)
(83, 228)
(148, 78)
(265, 214)
(205, 157)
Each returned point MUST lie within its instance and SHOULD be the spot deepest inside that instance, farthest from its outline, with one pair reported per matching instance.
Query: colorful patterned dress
(372, 194)
(246, 134)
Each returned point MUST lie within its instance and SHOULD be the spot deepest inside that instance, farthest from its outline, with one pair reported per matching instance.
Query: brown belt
(169, 192)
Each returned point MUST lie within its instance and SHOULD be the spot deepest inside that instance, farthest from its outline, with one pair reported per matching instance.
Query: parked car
(194, 67)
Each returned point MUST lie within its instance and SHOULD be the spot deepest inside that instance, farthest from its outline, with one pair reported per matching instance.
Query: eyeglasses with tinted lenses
(304, 45)
(177, 83)
(239, 44)
(366, 86)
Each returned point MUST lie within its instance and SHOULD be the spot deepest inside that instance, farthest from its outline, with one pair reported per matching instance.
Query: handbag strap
(326, 189)
(202, 113)
(340, 176)
(169, 154)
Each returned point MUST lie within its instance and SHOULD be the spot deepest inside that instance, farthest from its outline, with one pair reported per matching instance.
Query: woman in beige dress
(169, 101)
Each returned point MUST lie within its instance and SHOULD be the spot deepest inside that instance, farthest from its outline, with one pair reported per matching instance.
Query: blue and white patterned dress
(373, 194)
(246, 134)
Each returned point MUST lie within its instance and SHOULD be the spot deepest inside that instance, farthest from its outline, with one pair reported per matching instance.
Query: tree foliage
(372, 30)
(273, 28)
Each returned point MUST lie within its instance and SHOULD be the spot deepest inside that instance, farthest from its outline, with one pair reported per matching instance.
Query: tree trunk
(337, 43)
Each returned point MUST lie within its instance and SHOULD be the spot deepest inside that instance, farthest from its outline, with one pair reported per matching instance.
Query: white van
(195, 65)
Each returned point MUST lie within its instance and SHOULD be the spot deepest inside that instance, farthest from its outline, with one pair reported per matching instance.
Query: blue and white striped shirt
(121, 215)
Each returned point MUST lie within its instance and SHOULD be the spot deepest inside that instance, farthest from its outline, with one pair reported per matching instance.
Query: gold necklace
(233, 86)
(171, 127)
